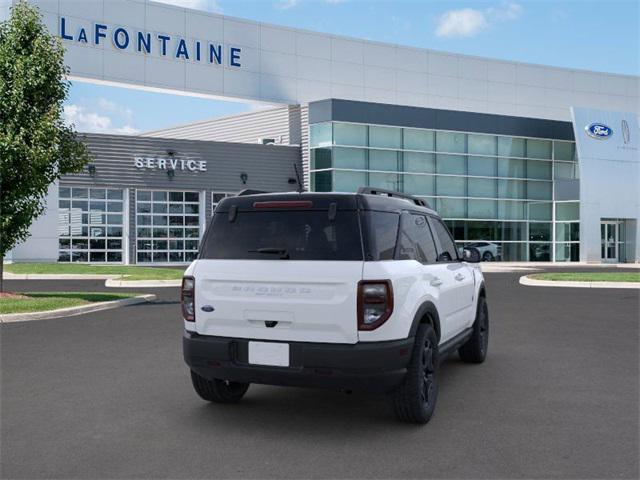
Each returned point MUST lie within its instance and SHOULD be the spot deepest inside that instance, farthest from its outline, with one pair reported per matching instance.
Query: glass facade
(90, 225)
(167, 226)
(493, 189)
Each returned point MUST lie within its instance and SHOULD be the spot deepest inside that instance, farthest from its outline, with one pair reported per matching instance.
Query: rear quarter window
(284, 235)
(381, 233)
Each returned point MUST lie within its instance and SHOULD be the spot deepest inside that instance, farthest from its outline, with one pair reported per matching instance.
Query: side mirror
(471, 255)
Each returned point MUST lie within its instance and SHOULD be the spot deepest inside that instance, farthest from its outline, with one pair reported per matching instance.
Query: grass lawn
(589, 276)
(129, 272)
(43, 301)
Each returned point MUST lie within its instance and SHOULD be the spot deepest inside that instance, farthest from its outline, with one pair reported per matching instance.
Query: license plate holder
(269, 353)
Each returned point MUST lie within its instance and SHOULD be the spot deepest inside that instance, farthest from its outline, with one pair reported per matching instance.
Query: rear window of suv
(284, 235)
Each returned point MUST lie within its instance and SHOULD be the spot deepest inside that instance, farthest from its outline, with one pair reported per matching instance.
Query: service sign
(171, 163)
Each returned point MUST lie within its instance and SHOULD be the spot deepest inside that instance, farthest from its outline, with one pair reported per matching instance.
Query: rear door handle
(436, 282)
(459, 277)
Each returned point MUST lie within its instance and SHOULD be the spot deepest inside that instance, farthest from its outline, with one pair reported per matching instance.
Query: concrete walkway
(114, 281)
(533, 282)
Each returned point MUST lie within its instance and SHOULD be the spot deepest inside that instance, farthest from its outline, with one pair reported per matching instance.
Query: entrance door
(609, 241)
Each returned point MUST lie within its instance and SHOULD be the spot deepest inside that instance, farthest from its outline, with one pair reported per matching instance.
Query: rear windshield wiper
(283, 252)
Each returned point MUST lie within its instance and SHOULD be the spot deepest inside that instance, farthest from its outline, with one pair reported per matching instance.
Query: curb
(113, 281)
(60, 276)
(79, 310)
(116, 283)
(532, 282)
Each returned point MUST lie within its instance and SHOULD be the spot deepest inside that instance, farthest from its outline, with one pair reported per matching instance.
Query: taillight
(375, 303)
(187, 297)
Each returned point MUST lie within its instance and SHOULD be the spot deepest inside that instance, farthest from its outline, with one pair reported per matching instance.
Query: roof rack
(249, 191)
(390, 193)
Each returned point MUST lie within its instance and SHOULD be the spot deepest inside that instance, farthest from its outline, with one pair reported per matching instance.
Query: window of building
(355, 158)
(90, 225)
(350, 134)
(321, 134)
(167, 226)
(453, 142)
(345, 181)
(385, 160)
(419, 162)
(385, 137)
(564, 150)
(418, 184)
(217, 197)
(417, 139)
(483, 145)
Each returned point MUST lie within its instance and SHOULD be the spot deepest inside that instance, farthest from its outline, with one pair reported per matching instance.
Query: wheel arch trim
(426, 309)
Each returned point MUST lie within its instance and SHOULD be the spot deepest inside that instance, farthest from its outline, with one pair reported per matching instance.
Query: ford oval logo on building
(599, 131)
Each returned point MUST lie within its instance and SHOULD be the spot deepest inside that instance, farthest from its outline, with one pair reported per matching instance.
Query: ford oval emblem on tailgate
(207, 308)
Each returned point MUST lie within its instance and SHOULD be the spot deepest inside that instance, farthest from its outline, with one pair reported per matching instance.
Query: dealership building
(529, 162)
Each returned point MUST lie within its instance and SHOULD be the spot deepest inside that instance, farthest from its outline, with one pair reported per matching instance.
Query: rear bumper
(374, 366)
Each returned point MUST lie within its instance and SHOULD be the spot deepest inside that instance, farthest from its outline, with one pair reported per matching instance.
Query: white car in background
(489, 251)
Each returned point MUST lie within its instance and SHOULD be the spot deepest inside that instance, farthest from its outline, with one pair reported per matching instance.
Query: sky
(601, 35)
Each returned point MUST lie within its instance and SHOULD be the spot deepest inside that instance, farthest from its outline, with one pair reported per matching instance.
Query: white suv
(347, 291)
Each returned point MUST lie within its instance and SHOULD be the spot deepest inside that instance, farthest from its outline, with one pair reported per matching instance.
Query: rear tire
(488, 257)
(475, 349)
(415, 400)
(218, 391)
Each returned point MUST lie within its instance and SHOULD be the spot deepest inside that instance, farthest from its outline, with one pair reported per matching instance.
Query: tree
(36, 146)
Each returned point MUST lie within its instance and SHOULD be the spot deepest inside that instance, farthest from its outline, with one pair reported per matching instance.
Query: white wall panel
(443, 86)
(276, 63)
(277, 39)
(501, 93)
(558, 78)
(411, 59)
(586, 82)
(244, 34)
(380, 77)
(472, 89)
(380, 55)
(124, 12)
(163, 73)
(504, 72)
(530, 75)
(87, 9)
(163, 18)
(203, 78)
(313, 45)
(119, 66)
(309, 68)
(203, 27)
(347, 73)
(475, 68)
(411, 82)
(343, 50)
(237, 82)
(443, 64)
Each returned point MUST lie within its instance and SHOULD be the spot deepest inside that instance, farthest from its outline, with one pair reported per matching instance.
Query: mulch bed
(12, 295)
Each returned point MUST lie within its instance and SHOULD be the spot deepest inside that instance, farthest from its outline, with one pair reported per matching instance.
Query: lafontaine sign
(160, 44)
(171, 163)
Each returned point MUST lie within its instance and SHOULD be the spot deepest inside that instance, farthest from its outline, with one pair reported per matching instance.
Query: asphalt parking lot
(107, 395)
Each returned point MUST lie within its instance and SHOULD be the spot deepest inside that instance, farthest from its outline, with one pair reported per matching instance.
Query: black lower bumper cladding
(371, 366)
